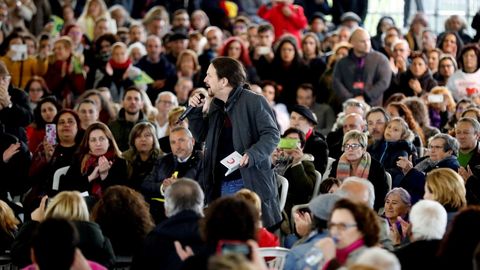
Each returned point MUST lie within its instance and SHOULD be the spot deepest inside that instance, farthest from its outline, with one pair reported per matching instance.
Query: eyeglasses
(165, 102)
(436, 147)
(340, 226)
(353, 146)
(6, 78)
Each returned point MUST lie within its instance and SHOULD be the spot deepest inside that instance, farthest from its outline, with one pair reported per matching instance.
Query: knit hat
(322, 205)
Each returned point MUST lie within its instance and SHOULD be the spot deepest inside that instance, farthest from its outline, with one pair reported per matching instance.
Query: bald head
(360, 40)
(353, 121)
(358, 190)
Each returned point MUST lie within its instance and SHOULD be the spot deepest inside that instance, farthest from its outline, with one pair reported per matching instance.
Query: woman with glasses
(353, 228)
(447, 65)
(165, 102)
(356, 161)
(98, 165)
(443, 150)
(36, 88)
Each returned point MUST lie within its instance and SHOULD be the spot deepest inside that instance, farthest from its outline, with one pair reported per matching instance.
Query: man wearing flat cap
(350, 20)
(176, 43)
(303, 119)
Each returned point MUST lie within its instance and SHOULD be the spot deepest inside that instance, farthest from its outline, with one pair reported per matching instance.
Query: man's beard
(132, 113)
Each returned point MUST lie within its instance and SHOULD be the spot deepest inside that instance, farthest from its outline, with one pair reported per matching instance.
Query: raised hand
(10, 151)
(39, 213)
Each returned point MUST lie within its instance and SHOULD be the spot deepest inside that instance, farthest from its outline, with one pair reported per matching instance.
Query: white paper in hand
(232, 162)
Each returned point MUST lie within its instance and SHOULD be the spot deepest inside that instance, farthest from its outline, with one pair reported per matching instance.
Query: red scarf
(116, 65)
(89, 166)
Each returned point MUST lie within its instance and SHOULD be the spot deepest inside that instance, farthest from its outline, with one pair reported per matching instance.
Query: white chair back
(56, 176)
(318, 181)
(389, 180)
(278, 254)
(282, 183)
(329, 168)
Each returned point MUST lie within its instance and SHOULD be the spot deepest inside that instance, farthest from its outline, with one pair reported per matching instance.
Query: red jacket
(294, 24)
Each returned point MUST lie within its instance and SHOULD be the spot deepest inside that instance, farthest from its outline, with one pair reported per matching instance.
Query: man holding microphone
(238, 120)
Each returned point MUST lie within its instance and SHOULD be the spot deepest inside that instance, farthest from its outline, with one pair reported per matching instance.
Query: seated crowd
(379, 137)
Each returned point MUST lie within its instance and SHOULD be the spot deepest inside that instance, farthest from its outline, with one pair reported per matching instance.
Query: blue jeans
(231, 187)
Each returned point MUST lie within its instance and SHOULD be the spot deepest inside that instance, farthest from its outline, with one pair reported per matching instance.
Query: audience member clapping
(397, 206)
(98, 164)
(443, 154)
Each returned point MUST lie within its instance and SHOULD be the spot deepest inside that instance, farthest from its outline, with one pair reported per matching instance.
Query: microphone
(188, 110)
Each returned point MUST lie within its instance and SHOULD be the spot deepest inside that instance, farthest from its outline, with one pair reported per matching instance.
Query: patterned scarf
(344, 167)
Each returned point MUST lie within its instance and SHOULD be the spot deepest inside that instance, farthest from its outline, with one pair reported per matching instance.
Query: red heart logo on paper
(471, 91)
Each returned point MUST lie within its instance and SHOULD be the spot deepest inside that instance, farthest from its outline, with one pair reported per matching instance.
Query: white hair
(184, 194)
(379, 259)
(170, 95)
(399, 41)
(428, 219)
(137, 45)
(362, 181)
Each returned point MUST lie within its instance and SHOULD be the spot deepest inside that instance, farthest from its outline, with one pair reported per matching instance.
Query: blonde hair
(251, 197)
(69, 205)
(8, 221)
(119, 44)
(356, 135)
(174, 114)
(447, 187)
(442, 90)
(103, 7)
(407, 134)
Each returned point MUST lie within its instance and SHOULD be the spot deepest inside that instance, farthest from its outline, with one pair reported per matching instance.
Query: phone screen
(229, 247)
(288, 143)
(51, 133)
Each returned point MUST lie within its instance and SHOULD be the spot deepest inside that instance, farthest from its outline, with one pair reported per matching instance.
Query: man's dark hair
(297, 131)
(230, 69)
(229, 218)
(54, 244)
(307, 86)
(264, 28)
(378, 110)
(109, 37)
(132, 88)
